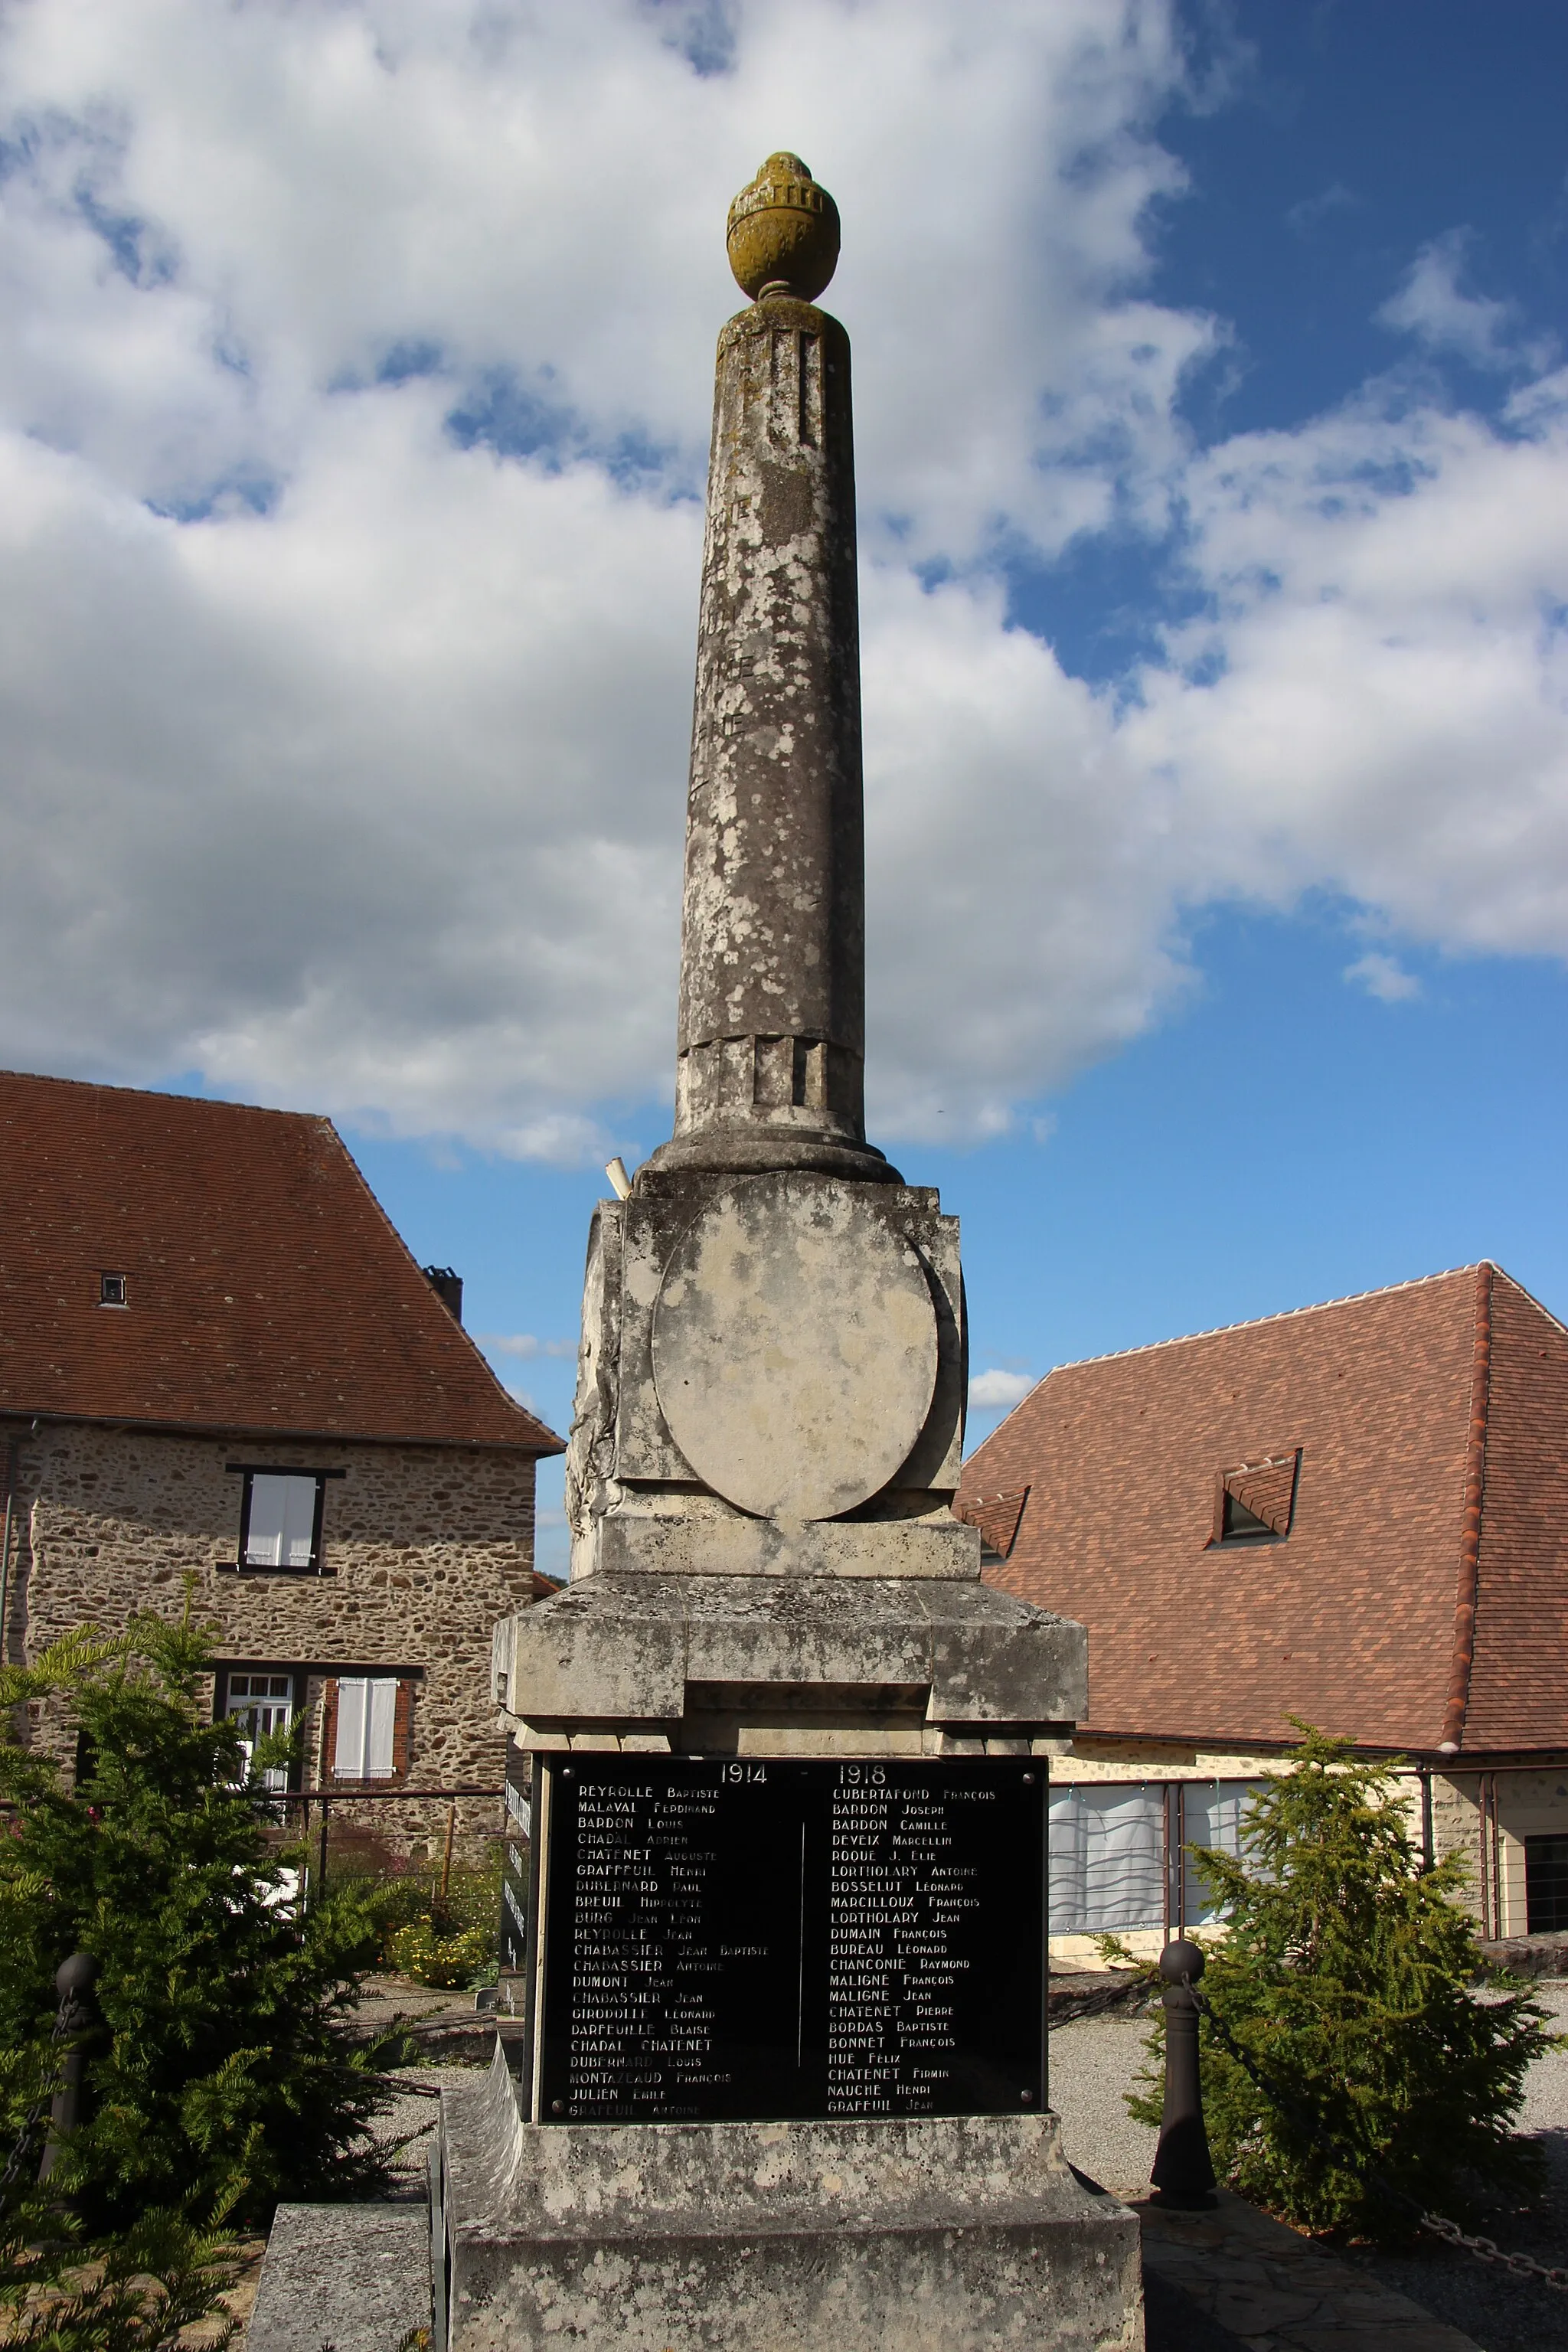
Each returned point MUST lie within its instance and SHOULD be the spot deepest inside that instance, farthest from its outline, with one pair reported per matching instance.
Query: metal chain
(1485, 2250)
(69, 2015)
(1093, 2005)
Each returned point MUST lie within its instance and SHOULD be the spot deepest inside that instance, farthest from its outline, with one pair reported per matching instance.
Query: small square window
(113, 1290)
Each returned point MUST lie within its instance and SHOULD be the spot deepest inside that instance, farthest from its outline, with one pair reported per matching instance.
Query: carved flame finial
(783, 234)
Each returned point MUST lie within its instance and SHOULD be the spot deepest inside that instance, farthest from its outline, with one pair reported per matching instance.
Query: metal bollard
(78, 2016)
(1183, 2170)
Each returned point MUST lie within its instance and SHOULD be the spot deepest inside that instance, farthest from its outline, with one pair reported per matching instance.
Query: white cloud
(1379, 703)
(523, 1344)
(1384, 977)
(347, 760)
(346, 745)
(998, 1389)
(1432, 306)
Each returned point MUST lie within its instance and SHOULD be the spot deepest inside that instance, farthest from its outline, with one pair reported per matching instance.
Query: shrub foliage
(224, 2078)
(1348, 1974)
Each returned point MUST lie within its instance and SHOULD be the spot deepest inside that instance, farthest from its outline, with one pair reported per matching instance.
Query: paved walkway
(1094, 2059)
(1218, 2281)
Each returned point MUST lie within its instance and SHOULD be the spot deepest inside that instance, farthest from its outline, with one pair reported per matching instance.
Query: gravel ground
(1094, 2060)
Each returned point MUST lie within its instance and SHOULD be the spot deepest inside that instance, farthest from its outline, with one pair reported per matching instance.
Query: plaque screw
(558, 2106)
(1028, 1779)
(1027, 2097)
(566, 1771)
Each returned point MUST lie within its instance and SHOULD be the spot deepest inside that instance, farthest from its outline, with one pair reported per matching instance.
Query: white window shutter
(299, 1522)
(383, 1713)
(263, 1533)
(348, 1753)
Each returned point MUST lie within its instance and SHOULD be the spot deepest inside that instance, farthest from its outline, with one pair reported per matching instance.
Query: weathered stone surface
(624, 1466)
(620, 1647)
(696, 1535)
(795, 1347)
(355, 2277)
(948, 2234)
(783, 232)
(772, 1035)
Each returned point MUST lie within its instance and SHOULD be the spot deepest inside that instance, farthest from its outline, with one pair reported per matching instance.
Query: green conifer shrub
(225, 2077)
(133, 2292)
(1348, 1975)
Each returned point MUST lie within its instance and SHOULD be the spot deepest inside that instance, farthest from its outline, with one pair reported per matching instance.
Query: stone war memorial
(780, 2076)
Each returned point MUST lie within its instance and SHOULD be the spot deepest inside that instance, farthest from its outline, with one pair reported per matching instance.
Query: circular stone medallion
(795, 1347)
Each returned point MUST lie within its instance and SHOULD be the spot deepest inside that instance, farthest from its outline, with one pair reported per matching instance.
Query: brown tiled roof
(266, 1289)
(1421, 1594)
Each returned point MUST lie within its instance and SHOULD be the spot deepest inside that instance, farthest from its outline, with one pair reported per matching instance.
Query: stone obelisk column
(772, 1032)
(779, 2077)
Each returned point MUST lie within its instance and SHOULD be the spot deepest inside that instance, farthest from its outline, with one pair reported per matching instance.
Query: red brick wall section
(1349, 1621)
(1519, 1680)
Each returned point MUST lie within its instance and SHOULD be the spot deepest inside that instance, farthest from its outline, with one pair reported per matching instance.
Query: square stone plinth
(935, 2234)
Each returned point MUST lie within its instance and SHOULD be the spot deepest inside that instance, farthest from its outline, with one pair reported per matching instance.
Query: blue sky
(1214, 457)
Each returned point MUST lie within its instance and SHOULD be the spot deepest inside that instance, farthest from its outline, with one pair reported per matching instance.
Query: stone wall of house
(426, 1548)
(1523, 1799)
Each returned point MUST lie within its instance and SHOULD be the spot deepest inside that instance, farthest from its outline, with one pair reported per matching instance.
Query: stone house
(219, 1362)
(1356, 1514)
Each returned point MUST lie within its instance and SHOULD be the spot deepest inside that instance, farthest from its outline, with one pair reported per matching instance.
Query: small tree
(224, 2079)
(1346, 1974)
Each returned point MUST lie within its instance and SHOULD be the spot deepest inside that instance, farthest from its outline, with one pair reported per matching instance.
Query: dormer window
(113, 1290)
(1239, 1525)
(1256, 1502)
(997, 1517)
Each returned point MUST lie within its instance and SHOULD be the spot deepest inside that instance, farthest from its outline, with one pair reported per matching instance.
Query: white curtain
(283, 1521)
(1107, 1859)
(367, 1710)
(1211, 1814)
(1107, 1854)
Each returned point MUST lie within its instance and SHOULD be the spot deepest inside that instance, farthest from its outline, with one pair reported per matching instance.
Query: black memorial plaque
(762, 1937)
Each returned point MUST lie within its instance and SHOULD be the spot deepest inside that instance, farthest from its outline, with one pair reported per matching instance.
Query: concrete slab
(343, 2278)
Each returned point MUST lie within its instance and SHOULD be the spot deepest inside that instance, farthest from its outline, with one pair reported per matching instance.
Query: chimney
(447, 1287)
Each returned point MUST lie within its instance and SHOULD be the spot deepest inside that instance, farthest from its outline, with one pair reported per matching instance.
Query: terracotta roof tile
(1356, 1619)
(265, 1288)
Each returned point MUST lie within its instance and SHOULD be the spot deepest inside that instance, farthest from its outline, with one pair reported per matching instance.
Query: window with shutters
(366, 1727)
(280, 1515)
